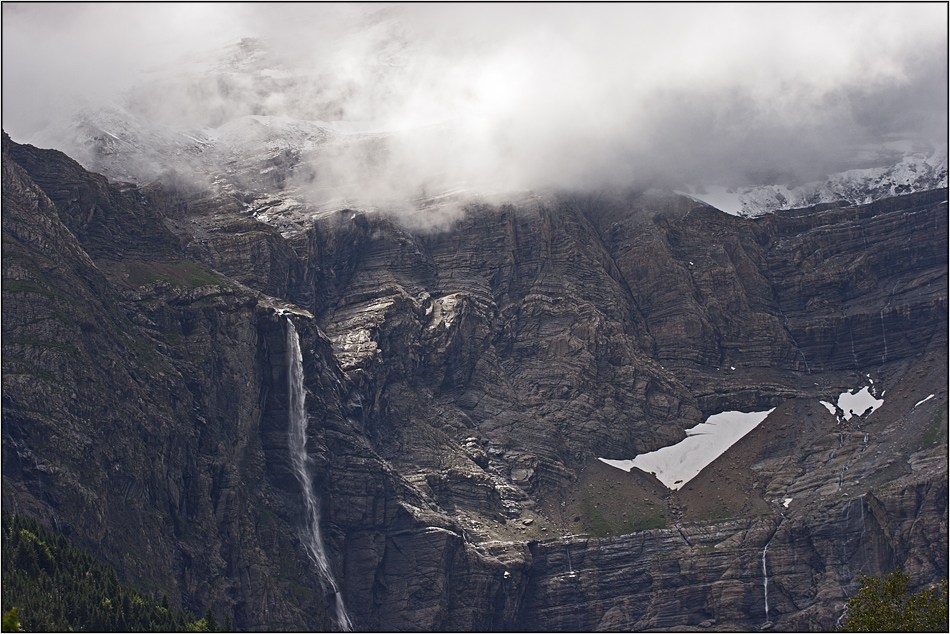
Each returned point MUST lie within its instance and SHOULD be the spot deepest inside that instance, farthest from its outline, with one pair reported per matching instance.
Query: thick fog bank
(423, 98)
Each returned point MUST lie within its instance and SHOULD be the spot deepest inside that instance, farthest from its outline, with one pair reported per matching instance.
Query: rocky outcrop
(460, 386)
(108, 224)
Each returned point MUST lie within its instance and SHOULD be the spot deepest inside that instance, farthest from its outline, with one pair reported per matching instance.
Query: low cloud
(502, 97)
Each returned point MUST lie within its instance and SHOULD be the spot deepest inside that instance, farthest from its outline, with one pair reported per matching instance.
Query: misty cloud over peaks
(504, 96)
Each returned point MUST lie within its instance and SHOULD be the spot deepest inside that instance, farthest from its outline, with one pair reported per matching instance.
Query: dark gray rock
(460, 385)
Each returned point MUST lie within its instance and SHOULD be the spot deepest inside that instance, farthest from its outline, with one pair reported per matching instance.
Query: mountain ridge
(288, 140)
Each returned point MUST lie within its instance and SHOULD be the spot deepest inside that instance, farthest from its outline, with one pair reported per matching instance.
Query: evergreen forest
(50, 586)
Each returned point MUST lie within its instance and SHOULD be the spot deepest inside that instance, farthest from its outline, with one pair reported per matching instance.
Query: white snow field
(677, 464)
(857, 404)
(924, 401)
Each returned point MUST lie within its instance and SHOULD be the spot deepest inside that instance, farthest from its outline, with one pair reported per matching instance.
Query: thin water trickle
(861, 540)
(570, 564)
(765, 570)
(297, 444)
(805, 361)
(851, 330)
(765, 578)
(883, 336)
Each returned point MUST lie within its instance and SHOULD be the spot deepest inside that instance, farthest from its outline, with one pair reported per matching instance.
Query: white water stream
(297, 443)
(765, 571)
(765, 578)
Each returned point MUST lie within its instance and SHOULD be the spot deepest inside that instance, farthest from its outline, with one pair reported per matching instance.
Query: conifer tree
(211, 620)
(884, 605)
(47, 585)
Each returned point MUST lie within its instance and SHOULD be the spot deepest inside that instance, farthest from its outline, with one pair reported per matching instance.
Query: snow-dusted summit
(914, 171)
(250, 124)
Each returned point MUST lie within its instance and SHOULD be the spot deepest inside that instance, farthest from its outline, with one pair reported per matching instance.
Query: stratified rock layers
(712, 574)
(460, 384)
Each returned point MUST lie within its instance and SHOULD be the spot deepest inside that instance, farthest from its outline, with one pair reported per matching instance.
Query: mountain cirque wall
(460, 385)
(132, 415)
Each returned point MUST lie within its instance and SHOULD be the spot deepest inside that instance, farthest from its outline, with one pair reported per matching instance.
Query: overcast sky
(548, 94)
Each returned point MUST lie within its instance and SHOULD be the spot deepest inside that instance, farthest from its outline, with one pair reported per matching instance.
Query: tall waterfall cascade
(765, 577)
(297, 442)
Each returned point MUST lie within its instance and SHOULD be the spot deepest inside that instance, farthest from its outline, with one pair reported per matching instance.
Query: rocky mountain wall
(150, 426)
(135, 421)
(711, 576)
(460, 386)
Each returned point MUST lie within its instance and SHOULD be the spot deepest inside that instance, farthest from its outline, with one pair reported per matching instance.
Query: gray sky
(543, 94)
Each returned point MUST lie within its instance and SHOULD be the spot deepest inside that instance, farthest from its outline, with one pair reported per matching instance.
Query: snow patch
(677, 464)
(721, 198)
(858, 404)
(924, 401)
(786, 502)
(828, 406)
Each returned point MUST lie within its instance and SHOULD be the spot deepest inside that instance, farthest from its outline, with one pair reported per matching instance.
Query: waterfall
(765, 576)
(804, 360)
(863, 542)
(570, 564)
(297, 443)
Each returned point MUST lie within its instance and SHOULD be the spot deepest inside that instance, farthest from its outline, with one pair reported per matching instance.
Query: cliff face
(135, 410)
(460, 386)
(790, 571)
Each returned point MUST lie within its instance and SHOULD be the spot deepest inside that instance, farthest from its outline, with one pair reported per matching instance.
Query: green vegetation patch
(244, 226)
(49, 586)
(27, 368)
(27, 286)
(637, 518)
(644, 522)
(183, 273)
(937, 433)
(54, 345)
(597, 524)
(883, 604)
(718, 512)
